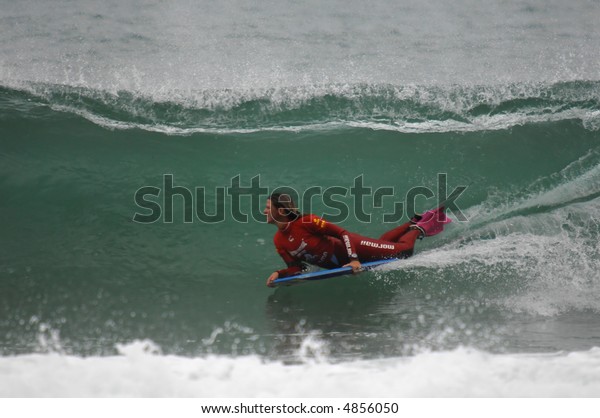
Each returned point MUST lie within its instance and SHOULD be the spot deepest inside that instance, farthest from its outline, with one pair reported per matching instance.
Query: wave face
(527, 252)
(97, 110)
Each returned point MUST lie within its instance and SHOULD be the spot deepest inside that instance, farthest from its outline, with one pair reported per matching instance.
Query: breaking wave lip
(404, 109)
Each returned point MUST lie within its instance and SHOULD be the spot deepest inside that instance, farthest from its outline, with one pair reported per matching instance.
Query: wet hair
(285, 201)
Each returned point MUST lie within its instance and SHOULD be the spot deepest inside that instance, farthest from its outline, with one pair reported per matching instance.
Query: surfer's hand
(274, 276)
(356, 266)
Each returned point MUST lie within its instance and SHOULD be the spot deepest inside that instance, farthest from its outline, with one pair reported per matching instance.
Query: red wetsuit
(314, 240)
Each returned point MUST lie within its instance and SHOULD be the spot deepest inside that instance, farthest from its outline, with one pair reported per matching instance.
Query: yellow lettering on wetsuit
(319, 222)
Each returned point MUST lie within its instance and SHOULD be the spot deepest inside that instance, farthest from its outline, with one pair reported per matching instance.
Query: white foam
(141, 371)
(589, 118)
(555, 274)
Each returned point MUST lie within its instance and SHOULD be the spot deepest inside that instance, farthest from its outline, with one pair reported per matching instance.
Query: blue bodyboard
(327, 274)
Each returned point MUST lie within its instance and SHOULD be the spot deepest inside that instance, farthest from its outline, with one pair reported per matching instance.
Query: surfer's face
(272, 213)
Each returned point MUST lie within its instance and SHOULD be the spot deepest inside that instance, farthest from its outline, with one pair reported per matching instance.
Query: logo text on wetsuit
(376, 245)
(319, 222)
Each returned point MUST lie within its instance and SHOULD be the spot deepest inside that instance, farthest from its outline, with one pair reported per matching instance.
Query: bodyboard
(327, 274)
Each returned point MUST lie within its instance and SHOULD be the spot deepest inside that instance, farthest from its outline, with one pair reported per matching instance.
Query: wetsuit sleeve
(293, 266)
(320, 226)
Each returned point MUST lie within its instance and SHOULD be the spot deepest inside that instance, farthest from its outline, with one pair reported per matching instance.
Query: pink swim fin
(432, 222)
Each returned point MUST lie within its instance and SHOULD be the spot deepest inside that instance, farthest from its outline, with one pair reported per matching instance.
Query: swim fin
(432, 222)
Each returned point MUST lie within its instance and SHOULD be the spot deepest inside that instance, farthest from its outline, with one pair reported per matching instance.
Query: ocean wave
(406, 109)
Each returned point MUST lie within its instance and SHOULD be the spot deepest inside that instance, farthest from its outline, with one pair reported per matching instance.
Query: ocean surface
(111, 111)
